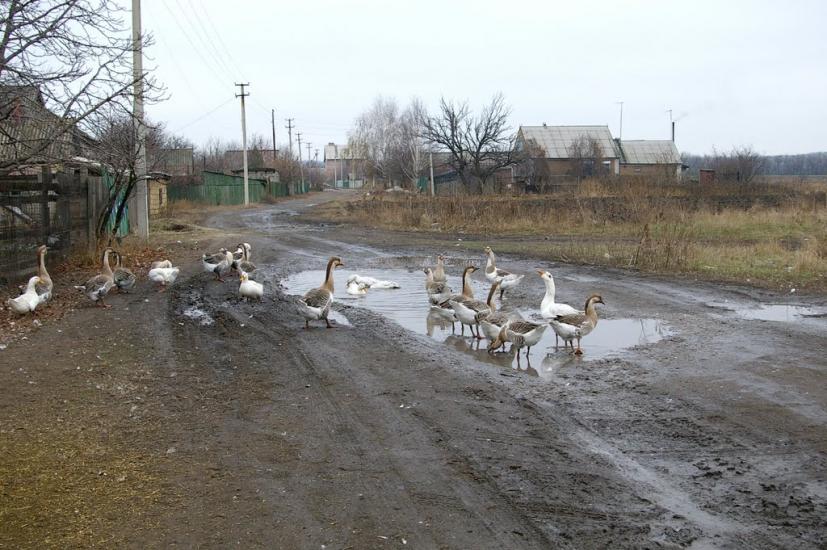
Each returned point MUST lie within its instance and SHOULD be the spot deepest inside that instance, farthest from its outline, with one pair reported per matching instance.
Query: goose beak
(540, 272)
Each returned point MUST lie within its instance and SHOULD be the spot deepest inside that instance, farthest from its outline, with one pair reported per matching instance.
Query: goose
(45, 286)
(243, 264)
(315, 304)
(160, 263)
(492, 273)
(372, 282)
(445, 309)
(249, 289)
(549, 309)
(494, 321)
(520, 333)
(99, 286)
(355, 288)
(123, 277)
(219, 263)
(163, 274)
(577, 325)
(439, 270)
(438, 291)
(471, 312)
(29, 300)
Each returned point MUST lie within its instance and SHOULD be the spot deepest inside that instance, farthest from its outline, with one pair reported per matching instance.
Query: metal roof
(650, 151)
(557, 140)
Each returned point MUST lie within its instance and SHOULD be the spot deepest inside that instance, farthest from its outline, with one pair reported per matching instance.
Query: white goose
(438, 291)
(492, 273)
(549, 309)
(372, 282)
(248, 289)
(356, 289)
(444, 309)
(439, 270)
(28, 301)
(163, 273)
(577, 325)
(316, 303)
(520, 333)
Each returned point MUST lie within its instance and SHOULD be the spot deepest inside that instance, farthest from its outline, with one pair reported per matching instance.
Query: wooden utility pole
(273, 122)
(431, 160)
(242, 95)
(301, 169)
(141, 195)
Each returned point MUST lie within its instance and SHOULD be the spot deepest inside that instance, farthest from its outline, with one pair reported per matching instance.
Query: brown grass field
(770, 234)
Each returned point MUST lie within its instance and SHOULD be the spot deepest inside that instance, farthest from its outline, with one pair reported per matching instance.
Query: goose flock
(483, 318)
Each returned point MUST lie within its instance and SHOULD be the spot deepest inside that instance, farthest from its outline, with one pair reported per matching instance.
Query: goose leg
(326, 320)
(306, 324)
(501, 293)
(578, 351)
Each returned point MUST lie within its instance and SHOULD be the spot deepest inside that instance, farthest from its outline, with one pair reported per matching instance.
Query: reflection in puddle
(409, 307)
(772, 312)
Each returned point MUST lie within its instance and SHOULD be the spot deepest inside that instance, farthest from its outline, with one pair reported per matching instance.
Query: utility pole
(431, 160)
(141, 195)
(620, 136)
(316, 156)
(290, 138)
(273, 122)
(301, 169)
(242, 95)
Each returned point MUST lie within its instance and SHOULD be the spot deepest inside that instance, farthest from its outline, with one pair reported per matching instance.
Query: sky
(735, 73)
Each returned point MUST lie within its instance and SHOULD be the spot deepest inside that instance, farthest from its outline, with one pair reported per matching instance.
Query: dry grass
(768, 235)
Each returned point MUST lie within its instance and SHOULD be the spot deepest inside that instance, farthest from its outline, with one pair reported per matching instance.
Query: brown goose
(123, 277)
(44, 285)
(520, 333)
(494, 321)
(439, 270)
(316, 303)
(99, 286)
(577, 325)
(437, 292)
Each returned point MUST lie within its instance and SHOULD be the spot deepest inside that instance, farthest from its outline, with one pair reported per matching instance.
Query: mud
(697, 428)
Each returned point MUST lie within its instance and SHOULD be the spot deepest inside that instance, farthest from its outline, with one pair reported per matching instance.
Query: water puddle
(408, 306)
(199, 315)
(772, 312)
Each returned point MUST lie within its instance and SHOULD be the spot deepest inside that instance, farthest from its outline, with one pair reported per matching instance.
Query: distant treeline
(809, 164)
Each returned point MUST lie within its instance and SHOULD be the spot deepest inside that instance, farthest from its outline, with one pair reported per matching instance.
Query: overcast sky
(734, 73)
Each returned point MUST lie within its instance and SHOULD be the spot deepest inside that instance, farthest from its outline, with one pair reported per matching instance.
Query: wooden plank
(20, 186)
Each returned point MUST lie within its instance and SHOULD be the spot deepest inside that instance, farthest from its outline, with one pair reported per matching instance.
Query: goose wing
(318, 297)
(573, 319)
(522, 327)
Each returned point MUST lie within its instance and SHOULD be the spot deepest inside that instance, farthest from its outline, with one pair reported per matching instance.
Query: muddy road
(696, 417)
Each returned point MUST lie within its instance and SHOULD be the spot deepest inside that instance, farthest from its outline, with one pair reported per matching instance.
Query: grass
(765, 235)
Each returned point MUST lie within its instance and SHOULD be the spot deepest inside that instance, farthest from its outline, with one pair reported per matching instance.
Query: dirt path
(188, 418)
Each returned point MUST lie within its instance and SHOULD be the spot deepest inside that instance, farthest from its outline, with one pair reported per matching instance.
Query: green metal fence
(221, 189)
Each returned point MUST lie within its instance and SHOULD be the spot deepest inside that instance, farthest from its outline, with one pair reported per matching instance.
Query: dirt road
(189, 418)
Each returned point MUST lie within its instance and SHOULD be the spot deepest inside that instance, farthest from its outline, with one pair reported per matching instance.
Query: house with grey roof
(563, 148)
(649, 157)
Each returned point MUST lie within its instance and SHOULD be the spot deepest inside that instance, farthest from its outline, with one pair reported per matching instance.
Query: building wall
(158, 201)
(651, 170)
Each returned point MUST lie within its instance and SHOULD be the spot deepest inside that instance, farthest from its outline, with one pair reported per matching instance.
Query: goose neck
(328, 281)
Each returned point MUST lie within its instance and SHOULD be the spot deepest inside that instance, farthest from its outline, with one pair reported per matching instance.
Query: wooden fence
(59, 210)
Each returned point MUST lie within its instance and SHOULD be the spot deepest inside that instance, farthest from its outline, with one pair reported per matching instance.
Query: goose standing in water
(316, 303)
(438, 291)
(219, 263)
(29, 300)
(472, 312)
(439, 270)
(372, 282)
(494, 321)
(99, 286)
(445, 309)
(492, 273)
(45, 285)
(577, 325)
(550, 309)
(521, 334)
(123, 277)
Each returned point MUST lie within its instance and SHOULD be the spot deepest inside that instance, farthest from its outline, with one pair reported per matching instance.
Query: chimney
(673, 131)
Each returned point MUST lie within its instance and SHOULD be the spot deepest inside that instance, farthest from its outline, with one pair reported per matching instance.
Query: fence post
(64, 210)
(45, 180)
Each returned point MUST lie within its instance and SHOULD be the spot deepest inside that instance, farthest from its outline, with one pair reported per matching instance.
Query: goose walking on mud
(315, 305)
(99, 286)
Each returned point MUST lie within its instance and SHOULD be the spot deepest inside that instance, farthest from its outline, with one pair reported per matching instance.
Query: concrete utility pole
(290, 134)
(273, 122)
(301, 169)
(141, 195)
(242, 95)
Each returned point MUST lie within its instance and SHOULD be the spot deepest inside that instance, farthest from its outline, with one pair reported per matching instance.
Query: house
(342, 166)
(175, 162)
(31, 134)
(571, 150)
(650, 157)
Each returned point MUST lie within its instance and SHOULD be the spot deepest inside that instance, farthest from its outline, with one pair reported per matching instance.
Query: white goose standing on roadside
(248, 289)
(163, 273)
(316, 303)
(550, 309)
(577, 325)
(492, 273)
(99, 286)
(45, 285)
(28, 301)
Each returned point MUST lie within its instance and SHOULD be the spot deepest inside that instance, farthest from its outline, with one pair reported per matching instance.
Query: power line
(199, 26)
(217, 34)
(205, 115)
(194, 47)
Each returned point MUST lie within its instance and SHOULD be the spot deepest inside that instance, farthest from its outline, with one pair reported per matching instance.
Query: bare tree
(533, 167)
(74, 57)
(586, 157)
(412, 156)
(376, 137)
(479, 145)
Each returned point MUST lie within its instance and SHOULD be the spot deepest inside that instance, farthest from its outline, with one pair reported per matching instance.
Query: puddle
(772, 312)
(408, 306)
(199, 315)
